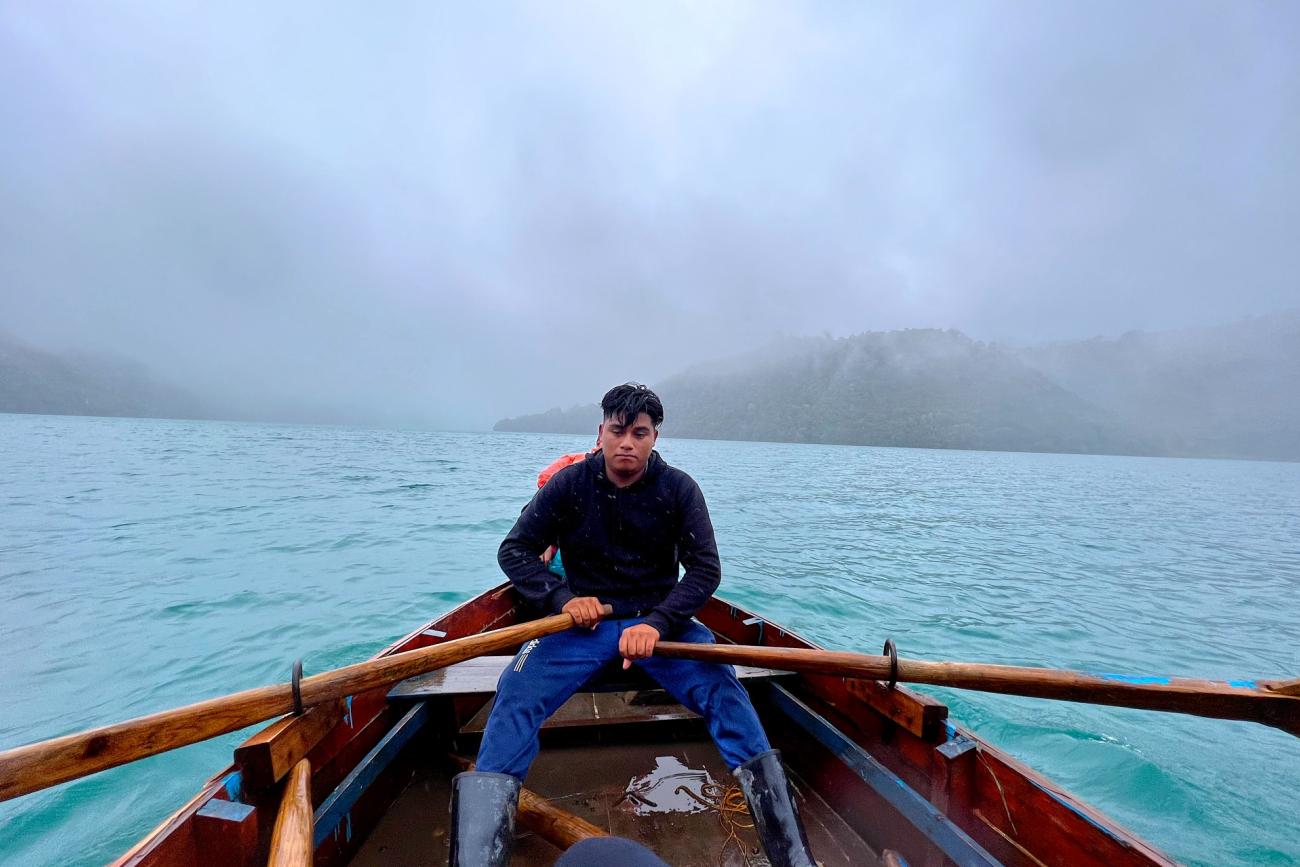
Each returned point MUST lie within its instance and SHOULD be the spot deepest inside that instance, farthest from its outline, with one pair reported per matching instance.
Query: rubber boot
(771, 803)
(482, 819)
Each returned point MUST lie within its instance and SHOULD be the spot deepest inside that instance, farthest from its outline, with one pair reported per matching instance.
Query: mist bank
(36, 381)
(1227, 391)
(40, 381)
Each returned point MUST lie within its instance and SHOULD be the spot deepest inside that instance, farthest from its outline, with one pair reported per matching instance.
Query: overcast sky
(441, 214)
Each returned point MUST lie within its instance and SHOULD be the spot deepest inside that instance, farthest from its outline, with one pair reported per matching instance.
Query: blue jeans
(547, 671)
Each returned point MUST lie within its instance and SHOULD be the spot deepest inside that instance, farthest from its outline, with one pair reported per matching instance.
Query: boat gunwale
(1093, 816)
(215, 785)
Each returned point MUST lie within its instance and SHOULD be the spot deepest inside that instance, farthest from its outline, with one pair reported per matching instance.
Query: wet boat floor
(640, 790)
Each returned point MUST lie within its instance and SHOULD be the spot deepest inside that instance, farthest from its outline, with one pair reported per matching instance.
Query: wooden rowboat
(881, 775)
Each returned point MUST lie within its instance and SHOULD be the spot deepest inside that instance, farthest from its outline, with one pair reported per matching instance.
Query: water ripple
(148, 564)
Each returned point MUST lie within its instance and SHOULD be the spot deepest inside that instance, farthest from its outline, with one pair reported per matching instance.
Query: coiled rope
(733, 812)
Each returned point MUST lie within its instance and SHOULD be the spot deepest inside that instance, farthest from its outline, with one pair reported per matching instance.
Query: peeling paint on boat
(1138, 680)
(234, 785)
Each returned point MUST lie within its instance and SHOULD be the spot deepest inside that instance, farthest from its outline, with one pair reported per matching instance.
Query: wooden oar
(1285, 687)
(558, 827)
(291, 843)
(1239, 699)
(47, 763)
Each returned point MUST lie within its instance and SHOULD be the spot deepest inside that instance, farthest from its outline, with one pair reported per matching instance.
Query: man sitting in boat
(626, 523)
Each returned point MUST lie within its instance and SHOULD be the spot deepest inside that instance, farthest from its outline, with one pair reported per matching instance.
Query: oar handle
(291, 838)
(1243, 700)
(47, 763)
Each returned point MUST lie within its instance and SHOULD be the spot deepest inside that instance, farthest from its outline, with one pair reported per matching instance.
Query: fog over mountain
(438, 215)
(41, 382)
(1228, 391)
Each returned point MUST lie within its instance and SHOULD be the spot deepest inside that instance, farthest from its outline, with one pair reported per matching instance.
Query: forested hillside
(1227, 391)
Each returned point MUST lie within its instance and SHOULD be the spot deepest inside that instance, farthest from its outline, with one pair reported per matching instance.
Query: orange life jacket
(558, 464)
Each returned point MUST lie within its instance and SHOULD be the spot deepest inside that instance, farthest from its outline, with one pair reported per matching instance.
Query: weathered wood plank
(921, 715)
(266, 757)
(597, 708)
(479, 676)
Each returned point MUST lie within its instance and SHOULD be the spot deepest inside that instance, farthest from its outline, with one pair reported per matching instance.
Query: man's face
(627, 447)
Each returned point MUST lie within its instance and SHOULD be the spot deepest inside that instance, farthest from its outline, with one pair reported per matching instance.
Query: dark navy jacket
(621, 545)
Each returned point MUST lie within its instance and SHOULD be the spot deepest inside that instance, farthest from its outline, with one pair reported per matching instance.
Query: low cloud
(442, 216)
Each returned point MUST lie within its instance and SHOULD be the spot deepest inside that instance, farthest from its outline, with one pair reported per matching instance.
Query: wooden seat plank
(599, 708)
(479, 677)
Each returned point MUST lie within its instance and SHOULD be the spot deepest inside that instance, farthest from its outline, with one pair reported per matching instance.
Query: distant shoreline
(667, 436)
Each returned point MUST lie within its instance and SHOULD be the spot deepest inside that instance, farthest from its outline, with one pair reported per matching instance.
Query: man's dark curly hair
(623, 403)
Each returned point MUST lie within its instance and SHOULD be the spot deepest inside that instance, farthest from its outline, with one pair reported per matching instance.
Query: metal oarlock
(892, 653)
(296, 683)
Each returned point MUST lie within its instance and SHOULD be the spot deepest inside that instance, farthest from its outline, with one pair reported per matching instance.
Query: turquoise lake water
(146, 564)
